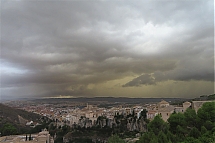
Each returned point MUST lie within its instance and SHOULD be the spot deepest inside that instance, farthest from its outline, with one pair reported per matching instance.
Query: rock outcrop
(22, 120)
(85, 122)
(130, 123)
(136, 124)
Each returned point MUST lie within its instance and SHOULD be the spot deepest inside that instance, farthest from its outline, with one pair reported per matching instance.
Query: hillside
(11, 117)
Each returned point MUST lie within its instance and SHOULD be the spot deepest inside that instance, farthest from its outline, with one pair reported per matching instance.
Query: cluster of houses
(162, 108)
(71, 116)
(92, 113)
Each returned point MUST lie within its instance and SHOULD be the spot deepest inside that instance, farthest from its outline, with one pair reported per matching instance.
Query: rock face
(22, 121)
(129, 123)
(132, 124)
(85, 122)
(138, 125)
(103, 122)
(110, 123)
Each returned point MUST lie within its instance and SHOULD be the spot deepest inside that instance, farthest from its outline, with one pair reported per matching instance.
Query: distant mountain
(108, 99)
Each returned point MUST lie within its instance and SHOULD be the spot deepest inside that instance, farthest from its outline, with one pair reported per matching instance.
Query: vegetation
(8, 129)
(78, 134)
(190, 127)
(205, 97)
(115, 139)
(211, 97)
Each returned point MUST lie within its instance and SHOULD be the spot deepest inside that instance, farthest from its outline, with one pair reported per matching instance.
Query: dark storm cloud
(145, 79)
(60, 47)
(180, 75)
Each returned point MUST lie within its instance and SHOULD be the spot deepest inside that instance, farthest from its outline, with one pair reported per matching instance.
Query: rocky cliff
(127, 123)
(131, 123)
(85, 122)
(136, 124)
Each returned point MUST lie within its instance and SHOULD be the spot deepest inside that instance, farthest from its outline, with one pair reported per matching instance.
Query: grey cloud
(146, 79)
(193, 72)
(65, 46)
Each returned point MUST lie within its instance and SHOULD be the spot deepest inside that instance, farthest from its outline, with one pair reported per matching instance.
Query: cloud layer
(52, 48)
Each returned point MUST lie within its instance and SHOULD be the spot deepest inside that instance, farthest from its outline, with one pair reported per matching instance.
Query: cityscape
(126, 119)
(104, 71)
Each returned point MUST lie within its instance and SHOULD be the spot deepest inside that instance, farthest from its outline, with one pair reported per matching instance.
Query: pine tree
(29, 137)
(162, 137)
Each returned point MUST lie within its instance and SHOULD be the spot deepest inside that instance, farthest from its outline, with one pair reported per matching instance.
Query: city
(85, 116)
(105, 71)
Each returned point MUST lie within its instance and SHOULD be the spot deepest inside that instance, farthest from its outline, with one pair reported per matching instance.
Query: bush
(115, 139)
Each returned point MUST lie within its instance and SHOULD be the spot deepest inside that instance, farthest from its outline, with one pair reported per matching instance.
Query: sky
(99, 48)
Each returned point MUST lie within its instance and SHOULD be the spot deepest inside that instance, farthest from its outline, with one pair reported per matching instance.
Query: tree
(147, 137)
(180, 133)
(143, 114)
(162, 137)
(191, 117)
(157, 125)
(206, 138)
(207, 112)
(154, 140)
(191, 140)
(195, 133)
(211, 97)
(171, 137)
(65, 129)
(203, 130)
(52, 127)
(208, 125)
(9, 129)
(115, 139)
(29, 137)
(176, 120)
